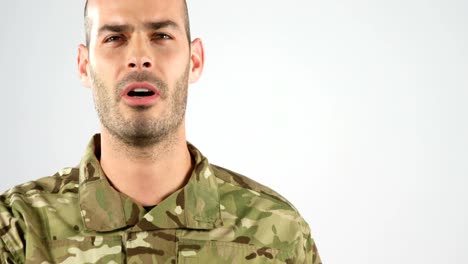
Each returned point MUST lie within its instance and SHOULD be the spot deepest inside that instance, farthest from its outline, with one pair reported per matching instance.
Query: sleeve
(11, 240)
(307, 252)
(311, 253)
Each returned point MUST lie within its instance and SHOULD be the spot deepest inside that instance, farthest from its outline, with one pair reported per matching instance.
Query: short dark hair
(87, 23)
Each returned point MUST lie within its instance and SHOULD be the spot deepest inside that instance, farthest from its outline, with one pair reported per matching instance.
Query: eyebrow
(148, 25)
(162, 24)
(115, 28)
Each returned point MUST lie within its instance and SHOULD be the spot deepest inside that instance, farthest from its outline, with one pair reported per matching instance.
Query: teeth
(138, 90)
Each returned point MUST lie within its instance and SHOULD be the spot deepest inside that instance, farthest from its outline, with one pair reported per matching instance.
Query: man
(141, 193)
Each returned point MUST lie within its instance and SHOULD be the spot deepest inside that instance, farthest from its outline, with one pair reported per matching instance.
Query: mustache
(143, 76)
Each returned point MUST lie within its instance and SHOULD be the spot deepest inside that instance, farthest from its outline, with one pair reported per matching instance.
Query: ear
(197, 60)
(83, 60)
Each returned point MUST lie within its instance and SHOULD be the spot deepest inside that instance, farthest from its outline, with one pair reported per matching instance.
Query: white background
(353, 110)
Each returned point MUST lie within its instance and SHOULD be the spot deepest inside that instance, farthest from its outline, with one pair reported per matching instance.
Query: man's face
(138, 65)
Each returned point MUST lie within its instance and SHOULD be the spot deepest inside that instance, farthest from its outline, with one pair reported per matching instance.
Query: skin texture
(142, 147)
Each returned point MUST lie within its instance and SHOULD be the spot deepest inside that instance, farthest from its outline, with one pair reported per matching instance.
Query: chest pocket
(98, 249)
(207, 252)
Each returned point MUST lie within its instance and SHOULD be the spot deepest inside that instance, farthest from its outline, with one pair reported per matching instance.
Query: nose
(139, 57)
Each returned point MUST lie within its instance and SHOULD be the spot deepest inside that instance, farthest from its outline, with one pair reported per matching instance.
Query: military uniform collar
(104, 209)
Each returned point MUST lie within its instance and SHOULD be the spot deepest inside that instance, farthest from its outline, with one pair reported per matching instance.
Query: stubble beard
(141, 130)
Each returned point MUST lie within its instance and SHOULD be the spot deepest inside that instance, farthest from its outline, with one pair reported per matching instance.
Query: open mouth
(140, 92)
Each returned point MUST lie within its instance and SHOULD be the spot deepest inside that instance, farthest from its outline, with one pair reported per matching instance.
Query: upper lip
(133, 86)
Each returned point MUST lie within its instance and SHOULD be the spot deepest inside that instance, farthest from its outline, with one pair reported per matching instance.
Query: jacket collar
(104, 209)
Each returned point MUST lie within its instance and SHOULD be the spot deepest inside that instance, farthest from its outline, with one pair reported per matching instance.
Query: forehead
(135, 11)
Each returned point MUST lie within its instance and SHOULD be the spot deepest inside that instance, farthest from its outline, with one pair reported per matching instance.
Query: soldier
(141, 193)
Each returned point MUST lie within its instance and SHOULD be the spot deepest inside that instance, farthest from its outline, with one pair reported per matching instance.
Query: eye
(162, 36)
(113, 39)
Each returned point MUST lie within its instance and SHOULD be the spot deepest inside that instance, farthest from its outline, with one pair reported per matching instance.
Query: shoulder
(25, 201)
(244, 183)
(257, 204)
(64, 181)
(21, 209)
(261, 216)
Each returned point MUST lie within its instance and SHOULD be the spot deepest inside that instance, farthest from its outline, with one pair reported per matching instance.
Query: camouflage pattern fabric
(220, 216)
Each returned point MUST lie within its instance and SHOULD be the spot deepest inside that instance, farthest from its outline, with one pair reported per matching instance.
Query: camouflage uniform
(220, 216)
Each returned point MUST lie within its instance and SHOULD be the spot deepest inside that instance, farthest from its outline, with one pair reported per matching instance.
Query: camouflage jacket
(219, 216)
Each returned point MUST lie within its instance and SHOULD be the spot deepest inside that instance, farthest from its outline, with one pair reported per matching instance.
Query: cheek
(172, 58)
(101, 89)
(107, 62)
(175, 66)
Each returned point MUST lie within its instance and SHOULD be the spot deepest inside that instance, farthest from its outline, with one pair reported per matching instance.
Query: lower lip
(140, 101)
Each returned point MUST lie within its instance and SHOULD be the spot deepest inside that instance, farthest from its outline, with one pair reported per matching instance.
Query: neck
(147, 175)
